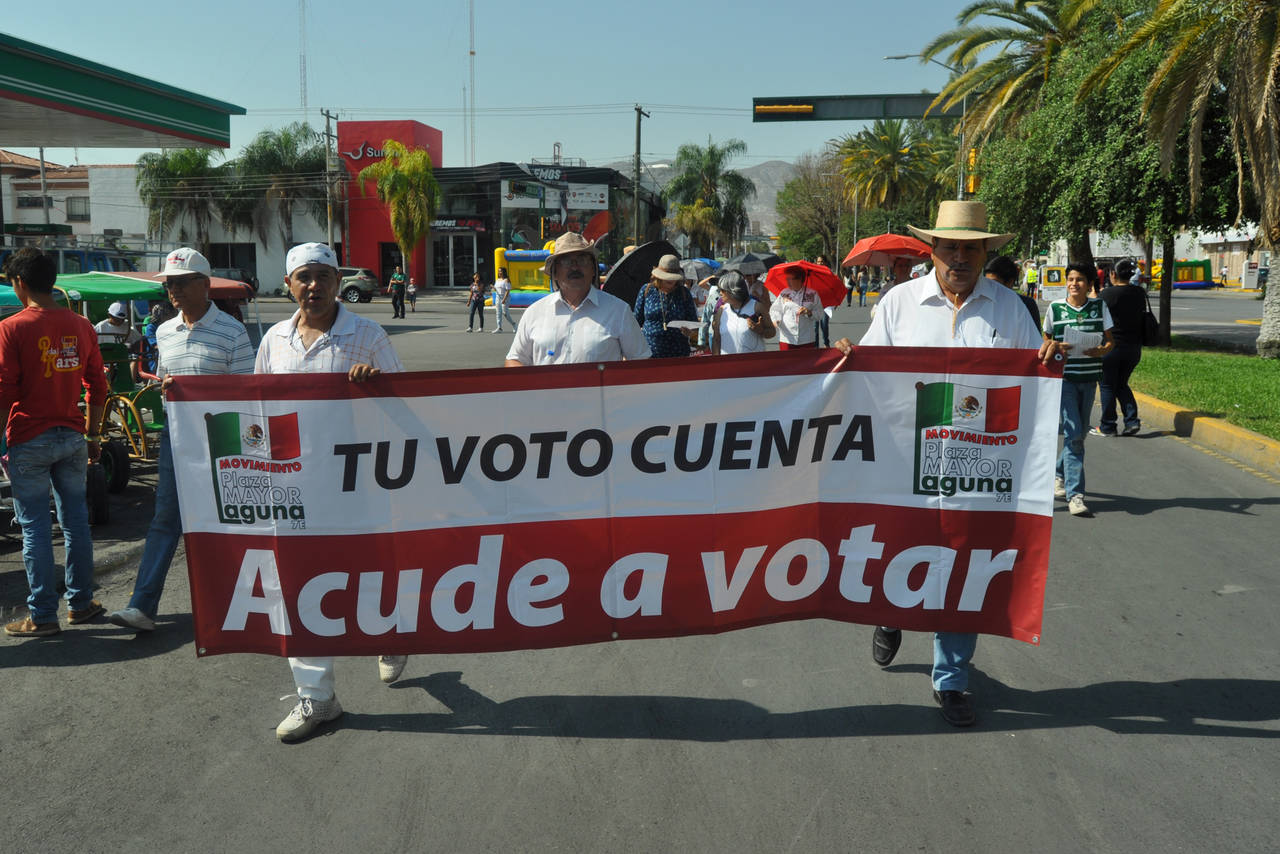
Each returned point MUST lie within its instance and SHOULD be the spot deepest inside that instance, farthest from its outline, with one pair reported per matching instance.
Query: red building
(367, 238)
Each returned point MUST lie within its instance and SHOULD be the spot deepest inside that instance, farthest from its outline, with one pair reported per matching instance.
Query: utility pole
(471, 6)
(302, 55)
(636, 188)
(44, 187)
(328, 174)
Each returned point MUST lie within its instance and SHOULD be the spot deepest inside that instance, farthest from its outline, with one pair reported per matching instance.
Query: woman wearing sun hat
(663, 300)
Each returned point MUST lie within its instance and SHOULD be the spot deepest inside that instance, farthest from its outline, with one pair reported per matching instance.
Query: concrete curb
(1244, 446)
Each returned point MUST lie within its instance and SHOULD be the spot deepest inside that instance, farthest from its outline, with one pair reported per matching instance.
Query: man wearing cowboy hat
(954, 305)
(578, 322)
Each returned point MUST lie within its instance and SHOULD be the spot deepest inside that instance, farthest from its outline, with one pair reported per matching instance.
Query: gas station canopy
(57, 100)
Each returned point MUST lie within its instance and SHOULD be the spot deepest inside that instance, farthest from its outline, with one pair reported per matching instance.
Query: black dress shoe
(956, 708)
(884, 645)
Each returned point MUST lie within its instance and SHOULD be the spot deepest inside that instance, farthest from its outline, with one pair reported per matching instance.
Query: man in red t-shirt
(48, 354)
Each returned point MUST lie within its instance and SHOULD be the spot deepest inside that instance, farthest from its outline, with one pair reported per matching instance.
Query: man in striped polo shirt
(1066, 320)
(202, 339)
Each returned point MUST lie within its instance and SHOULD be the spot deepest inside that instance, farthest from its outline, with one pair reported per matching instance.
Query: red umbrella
(879, 251)
(817, 278)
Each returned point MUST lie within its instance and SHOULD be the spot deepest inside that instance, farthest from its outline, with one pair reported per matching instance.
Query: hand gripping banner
(502, 509)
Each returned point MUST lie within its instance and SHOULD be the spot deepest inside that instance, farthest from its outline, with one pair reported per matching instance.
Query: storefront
(368, 240)
(513, 205)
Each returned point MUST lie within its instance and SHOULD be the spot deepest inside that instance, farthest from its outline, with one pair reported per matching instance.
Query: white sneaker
(1077, 506)
(391, 666)
(306, 717)
(132, 618)
(1059, 488)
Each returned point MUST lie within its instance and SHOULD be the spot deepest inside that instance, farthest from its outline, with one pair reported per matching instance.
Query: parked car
(358, 284)
(238, 274)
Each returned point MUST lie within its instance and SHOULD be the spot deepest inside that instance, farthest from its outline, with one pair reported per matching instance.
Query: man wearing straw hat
(952, 306)
(578, 322)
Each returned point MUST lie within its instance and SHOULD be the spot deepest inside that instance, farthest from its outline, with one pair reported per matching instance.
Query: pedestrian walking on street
(1127, 302)
(412, 293)
(1079, 377)
(475, 303)
(864, 284)
(740, 323)
(665, 300)
(48, 357)
(502, 300)
(951, 306)
(200, 340)
(396, 289)
(323, 336)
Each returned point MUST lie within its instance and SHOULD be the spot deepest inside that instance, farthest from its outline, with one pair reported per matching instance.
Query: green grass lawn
(1243, 390)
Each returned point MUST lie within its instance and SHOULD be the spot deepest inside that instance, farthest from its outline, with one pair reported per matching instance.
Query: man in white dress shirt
(578, 322)
(322, 337)
(952, 306)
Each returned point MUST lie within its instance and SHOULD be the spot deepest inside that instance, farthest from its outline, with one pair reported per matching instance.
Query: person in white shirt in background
(502, 299)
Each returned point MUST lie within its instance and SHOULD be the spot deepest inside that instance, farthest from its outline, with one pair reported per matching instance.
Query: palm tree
(406, 184)
(1001, 88)
(885, 164)
(280, 170)
(703, 173)
(178, 185)
(1223, 51)
(699, 222)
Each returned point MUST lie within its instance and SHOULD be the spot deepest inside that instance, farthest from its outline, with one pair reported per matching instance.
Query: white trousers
(313, 677)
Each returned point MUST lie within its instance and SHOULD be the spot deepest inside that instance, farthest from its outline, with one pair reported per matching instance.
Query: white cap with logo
(118, 310)
(185, 262)
(309, 253)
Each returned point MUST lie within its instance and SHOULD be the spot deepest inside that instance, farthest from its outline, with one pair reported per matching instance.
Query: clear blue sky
(694, 66)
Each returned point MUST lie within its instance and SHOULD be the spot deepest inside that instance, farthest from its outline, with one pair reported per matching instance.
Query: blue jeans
(475, 308)
(1077, 403)
(952, 652)
(162, 536)
(501, 310)
(56, 457)
(1117, 366)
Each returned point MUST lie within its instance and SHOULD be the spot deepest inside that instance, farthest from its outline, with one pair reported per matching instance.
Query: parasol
(819, 279)
(633, 270)
(880, 250)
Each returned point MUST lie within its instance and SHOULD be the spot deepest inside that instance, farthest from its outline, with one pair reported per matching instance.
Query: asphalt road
(1147, 719)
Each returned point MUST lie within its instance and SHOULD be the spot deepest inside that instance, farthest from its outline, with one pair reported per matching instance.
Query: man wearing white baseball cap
(201, 340)
(323, 336)
(115, 328)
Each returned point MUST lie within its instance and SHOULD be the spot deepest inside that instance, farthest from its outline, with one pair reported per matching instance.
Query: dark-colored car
(358, 284)
(238, 274)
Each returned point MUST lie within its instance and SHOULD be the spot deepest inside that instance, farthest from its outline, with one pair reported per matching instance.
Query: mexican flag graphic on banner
(983, 410)
(273, 437)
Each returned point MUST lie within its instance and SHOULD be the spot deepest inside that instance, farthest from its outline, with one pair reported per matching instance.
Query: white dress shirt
(794, 328)
(601, 329)
(352, 340)
(916, 313)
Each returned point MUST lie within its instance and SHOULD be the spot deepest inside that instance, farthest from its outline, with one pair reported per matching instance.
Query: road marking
(1206, 450)
(1228, 589)
(1257, 322)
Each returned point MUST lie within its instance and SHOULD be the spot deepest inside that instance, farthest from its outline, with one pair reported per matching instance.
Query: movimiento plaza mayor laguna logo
(960, 433)
(252, 459)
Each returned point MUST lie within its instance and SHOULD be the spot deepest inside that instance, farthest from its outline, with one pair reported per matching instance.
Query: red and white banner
(502, 509)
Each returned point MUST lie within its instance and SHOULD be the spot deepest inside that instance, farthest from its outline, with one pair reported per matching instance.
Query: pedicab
(134, 414)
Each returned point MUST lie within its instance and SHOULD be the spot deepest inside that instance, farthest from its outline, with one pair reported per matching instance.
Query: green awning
(57, 100)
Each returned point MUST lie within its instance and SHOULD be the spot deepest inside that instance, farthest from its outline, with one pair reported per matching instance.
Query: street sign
(36, 228)
(847, 108)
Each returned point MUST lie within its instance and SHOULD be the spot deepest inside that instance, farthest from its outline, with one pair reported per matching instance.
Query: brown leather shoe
(85, 614)
(27, 628)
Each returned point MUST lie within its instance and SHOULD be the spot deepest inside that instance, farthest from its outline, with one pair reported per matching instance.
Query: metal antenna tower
(302, 55)
(471, 8)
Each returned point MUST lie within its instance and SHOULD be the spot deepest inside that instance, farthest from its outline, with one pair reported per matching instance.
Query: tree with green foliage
(810, 206)
(180, 185)
(281, 171)
(1213, 53)
(885, 164)
(405, 182)
(704, 173)
(699, 223)
(1006, 51)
